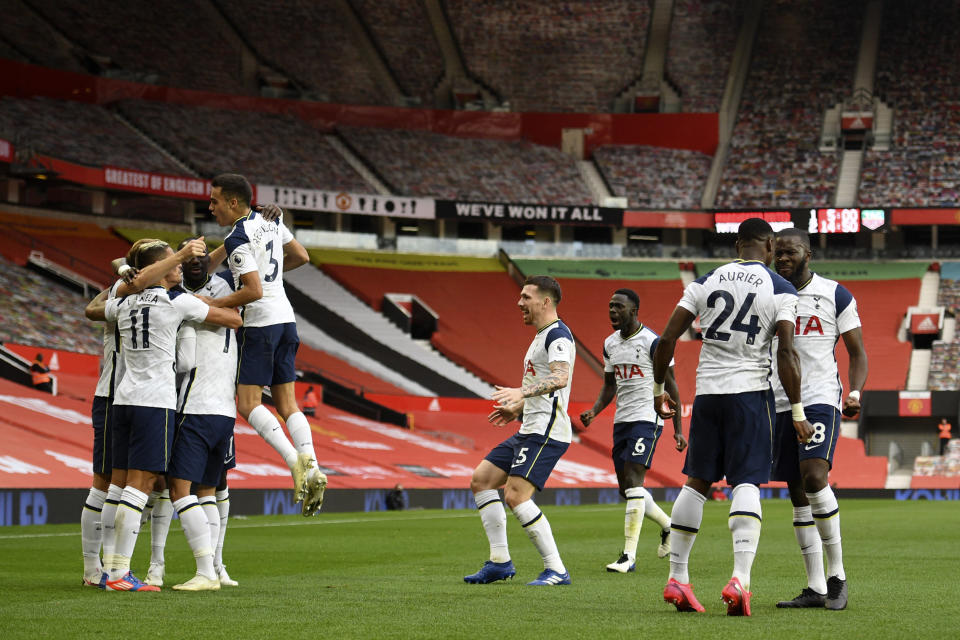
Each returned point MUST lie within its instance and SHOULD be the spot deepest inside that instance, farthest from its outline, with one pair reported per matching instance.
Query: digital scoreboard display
(824, 220)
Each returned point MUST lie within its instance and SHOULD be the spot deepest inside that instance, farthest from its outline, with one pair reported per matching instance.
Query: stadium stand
(702, 37)
(271, 148)
(546, 56)
(78, 132)
(26, 37)
(131, 40)
(654, 177)
(342, 371)
(428, 164)
(402, 29)
(36, 311)
(774, 158)
(916, 69)
(312, 43)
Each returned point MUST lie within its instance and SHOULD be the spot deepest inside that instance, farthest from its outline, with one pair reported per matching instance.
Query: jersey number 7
(751, 328)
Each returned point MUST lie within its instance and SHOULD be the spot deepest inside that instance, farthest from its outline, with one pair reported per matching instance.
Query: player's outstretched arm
(788, 368)
(251, 289)
(96, 308)
(670, 386)
(154, 273)
(294, 255)
(607, 392)
(680, 321)
(224, 317)
(853, 341)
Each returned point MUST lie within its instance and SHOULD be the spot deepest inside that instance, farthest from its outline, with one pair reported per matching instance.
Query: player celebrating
(146, 397)
(204, 444)
(741, 304)
(523, 462)
(628, 374)
(100, 506)
(826, 311)
(258, 252)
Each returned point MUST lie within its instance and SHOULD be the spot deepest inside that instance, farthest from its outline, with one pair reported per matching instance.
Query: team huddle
(756, 417)
(179, 360)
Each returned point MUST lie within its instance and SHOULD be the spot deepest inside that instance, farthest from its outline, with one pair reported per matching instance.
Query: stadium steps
(919, 372)
(848, 182)
(375, 59)
(376, 336)
(594, 181)
(929, 288)
(358, 165)
(150, 141)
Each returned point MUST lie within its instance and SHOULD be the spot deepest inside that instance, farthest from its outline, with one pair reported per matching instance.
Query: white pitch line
(300, 523)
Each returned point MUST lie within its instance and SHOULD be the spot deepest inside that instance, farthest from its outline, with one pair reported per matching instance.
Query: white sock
(744, 523)
(209, 504)
(270, 430)
(148, 508)
(132, 502)
(91, 532)
(302, 435)
(223, 508)
(826, 513)
(633, 519)
(193, 520)
(160, 526)
(108, 519)
(494, 519)
(540, 534)
(685, 519)
(810, 548)
(652, 511)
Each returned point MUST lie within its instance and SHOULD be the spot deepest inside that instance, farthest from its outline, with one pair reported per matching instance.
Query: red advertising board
(668, 219)
(925, 216)
(924, 323)
(156, 183)
(914, 403)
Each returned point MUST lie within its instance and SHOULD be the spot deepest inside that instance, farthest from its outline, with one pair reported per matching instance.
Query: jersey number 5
(751, 328)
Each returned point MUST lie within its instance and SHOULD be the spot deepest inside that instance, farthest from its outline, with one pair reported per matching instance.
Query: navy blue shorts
(102, 415)
(531, 456)
(267, 354)
(788, 452)
(731, 435)
(142, 437)
(202, 448)
(634, 442)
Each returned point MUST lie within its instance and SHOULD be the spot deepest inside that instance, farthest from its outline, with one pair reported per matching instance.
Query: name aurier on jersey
(740, 276)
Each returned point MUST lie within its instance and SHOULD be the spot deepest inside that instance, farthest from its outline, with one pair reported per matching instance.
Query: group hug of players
(179, 361)
(768, 407)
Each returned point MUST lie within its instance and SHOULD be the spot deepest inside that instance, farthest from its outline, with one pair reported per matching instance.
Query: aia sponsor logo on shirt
(806, 326)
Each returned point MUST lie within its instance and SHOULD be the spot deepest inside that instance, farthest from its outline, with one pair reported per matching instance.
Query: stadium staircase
(334, 309)
(358, 165)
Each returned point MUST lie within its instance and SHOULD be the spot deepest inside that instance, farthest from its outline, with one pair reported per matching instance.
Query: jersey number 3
(273, 262)
(751, 328)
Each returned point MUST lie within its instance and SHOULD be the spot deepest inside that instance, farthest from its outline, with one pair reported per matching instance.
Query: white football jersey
(547, 414)
(630, 360)
(257, 245)
(739, 304)
(148, 323)
(825, 311)
(110, 366)
(210, 387)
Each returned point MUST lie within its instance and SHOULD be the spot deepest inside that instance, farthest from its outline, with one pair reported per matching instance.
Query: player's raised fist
(665, 405)
(587, 417)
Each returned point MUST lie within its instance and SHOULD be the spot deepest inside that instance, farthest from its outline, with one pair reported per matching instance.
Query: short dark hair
(753, 229)
(630, 295)
(547, 286)
(234, 185)
(793, 232)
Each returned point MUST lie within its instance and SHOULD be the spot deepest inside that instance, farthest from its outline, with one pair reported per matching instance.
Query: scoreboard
(825, 220)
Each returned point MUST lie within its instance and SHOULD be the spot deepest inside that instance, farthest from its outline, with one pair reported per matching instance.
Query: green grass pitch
(399, 575)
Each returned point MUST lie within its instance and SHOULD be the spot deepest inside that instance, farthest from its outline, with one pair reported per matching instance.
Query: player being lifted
(258, 251)
(146, 397)
(826, 311)
(100, 507)
(523, 462)
(628, 375)
(741, 305)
